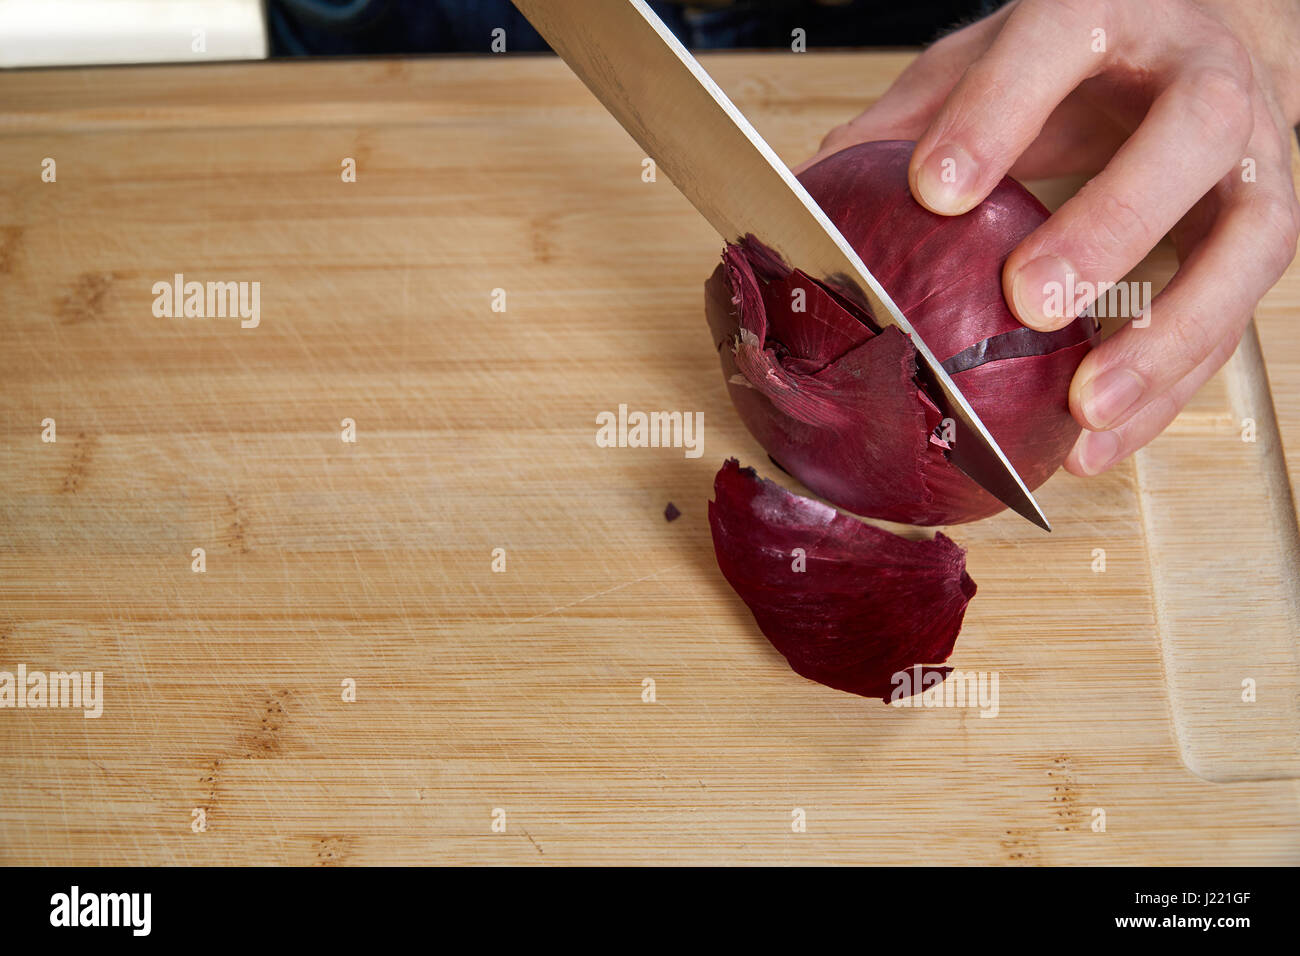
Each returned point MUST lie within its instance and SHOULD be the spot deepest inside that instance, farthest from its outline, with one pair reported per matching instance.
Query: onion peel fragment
(858, 606)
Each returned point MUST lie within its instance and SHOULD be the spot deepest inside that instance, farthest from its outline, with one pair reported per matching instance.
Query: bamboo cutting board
(506, 717)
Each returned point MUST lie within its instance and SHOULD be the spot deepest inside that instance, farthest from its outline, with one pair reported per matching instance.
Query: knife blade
(661, 95)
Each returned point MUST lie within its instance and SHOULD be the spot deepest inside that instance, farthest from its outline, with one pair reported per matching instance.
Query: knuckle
(1218, 101)
(839, 135)
(1226, 346)
(1267, 146)
(1192, 344)
(1289, 221)
(948, 43)
(1068, 11)
(1163, 408)
(1236, 58)
(1280, 225)
(1119, 223)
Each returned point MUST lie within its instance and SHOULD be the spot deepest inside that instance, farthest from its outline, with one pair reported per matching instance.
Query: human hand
(1184, 110)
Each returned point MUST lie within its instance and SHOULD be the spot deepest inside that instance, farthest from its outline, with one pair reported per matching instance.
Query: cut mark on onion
(1023, 343)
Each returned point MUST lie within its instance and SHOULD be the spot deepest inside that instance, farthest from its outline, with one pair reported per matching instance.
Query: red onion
(858, 606)
(835, 400)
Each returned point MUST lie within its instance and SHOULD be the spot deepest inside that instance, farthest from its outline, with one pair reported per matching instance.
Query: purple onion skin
(837, 404)
(858, 607)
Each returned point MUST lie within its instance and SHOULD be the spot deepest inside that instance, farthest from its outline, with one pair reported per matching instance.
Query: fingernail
(1043, 293)
(946, 180)
(1096, 450)
(1106, 397)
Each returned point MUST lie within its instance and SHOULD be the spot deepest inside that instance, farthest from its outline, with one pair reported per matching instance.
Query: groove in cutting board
(1224, 553)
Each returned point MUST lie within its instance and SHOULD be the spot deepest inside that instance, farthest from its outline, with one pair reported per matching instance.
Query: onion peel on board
(867, 605)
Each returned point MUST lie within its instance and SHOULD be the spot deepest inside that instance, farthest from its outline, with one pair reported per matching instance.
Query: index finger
(997, 109)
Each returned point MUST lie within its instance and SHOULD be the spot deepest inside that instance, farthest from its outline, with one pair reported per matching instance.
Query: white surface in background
(67, 32)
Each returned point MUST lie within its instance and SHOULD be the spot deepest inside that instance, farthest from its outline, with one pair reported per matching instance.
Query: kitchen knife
(653, 86)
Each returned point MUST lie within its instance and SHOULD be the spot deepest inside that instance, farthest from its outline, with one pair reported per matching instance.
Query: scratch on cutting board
(531, 840)
(609, 590)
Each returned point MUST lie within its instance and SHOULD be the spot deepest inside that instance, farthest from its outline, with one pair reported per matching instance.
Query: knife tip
(1040, 519)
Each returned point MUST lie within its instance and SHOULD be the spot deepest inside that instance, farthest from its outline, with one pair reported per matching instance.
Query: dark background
(362, 27)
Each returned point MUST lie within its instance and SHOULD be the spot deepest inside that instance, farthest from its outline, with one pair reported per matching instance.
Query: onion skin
(868, 604)
(835, 400)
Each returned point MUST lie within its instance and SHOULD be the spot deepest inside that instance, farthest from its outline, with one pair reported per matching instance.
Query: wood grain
(519, 691)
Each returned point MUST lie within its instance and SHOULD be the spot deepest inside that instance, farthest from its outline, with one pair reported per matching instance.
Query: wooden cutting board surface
(519, 697)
